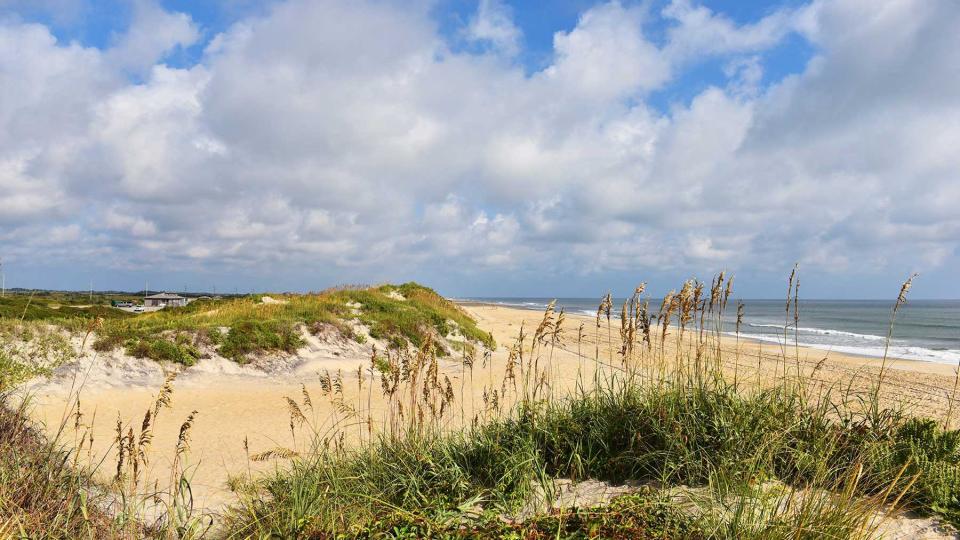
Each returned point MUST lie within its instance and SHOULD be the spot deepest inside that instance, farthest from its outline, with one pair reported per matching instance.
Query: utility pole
(3, 281)
(91, 290)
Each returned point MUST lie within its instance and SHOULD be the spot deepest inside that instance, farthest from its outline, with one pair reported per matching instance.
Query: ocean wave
(822, 332)
(521, 305)
(907, 352)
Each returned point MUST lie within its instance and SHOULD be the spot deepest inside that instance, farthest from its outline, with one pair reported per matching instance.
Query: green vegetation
(707, 457)
(422, 308)
(58, 307)
(705, 435)
(239, 327)
(161, 349)
(640, 516)
(29, 349)
(247, 337)
(46, 493)
(42, 493)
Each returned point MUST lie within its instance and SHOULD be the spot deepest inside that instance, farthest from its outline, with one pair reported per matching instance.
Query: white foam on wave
(822, 332)
(521, 305)
(906, 352)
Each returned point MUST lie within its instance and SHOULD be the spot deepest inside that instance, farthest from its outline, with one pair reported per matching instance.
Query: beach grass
(743, 461)
(29, 349)
(240, 327)
(694, 452)
(43, 494)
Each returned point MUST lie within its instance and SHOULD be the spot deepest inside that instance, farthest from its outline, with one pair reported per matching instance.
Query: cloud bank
(350, 136)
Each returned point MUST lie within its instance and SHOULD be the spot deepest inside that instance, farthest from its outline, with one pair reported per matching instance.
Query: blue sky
(483, 147)
(98, 23)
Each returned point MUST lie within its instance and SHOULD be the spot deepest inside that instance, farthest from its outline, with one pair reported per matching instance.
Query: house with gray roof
(164, 300)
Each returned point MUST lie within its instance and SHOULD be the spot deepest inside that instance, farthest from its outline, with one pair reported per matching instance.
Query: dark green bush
(249, 337)
(161, 349)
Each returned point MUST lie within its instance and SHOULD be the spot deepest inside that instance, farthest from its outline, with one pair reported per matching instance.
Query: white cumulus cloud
(350, 136)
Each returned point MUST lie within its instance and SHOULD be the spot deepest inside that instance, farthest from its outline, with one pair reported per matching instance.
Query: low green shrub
(249, 337)
(639, 516)
(926, 458)
(161, 349)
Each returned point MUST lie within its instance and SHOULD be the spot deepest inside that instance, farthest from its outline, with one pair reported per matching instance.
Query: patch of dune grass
(52, 485)
(239, 327)
(42, 493)
(29, 349)
(248, 337)
(640, 516)
(56, 308)
(707, 437)
(161, 349)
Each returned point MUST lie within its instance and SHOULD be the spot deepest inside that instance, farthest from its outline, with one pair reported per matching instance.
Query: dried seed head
(120, 441)
(295, 413)
(727, 293)
(716, 288)
(640, 288)
(338, 383)
(546, 323)
(183, 439)
(274, 453)
(77, 416)
(146, 435)
(739, 315)
(904, 289)
(326, 384)
(164, 396)
(557, 335)
(793, 274)
(307, 402)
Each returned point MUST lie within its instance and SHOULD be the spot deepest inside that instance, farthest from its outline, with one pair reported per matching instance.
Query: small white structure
(164, 300)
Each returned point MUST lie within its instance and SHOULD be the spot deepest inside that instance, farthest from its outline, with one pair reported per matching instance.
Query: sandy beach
(236, 404)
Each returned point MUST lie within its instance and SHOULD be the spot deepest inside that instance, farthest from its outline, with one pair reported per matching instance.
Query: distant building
(164, 300)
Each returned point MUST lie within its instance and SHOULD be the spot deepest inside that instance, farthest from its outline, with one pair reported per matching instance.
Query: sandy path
(234, 404)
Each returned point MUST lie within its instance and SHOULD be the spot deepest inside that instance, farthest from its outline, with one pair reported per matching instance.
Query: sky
(485, 148)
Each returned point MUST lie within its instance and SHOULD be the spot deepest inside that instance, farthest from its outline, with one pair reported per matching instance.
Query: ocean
(927, 330)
